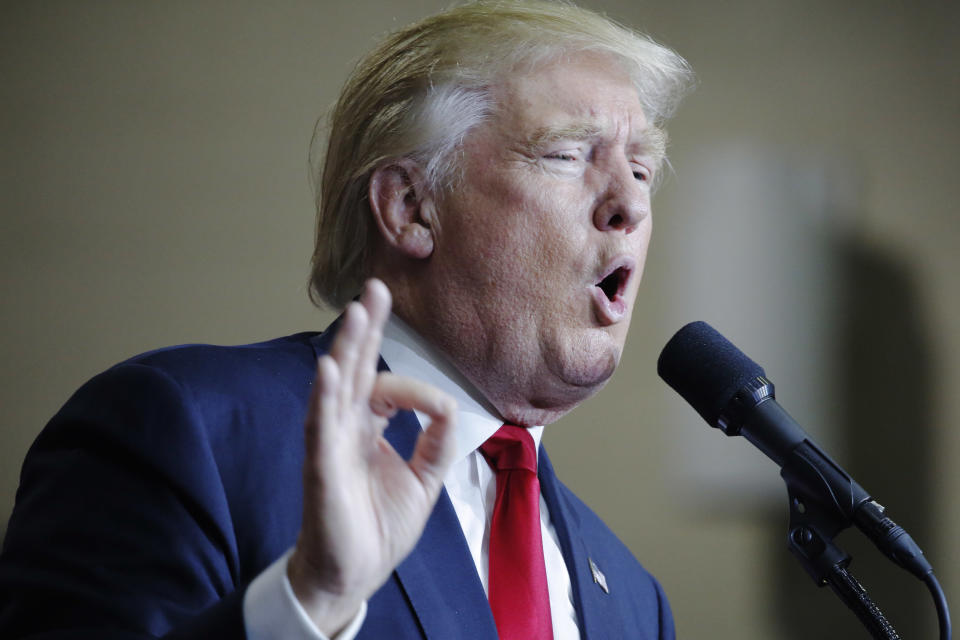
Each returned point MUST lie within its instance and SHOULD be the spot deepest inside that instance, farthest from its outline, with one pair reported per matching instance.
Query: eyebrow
(577, 131)
(653, 140)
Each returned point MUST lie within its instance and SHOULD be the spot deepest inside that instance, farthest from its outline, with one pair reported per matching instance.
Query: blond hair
(420, 92)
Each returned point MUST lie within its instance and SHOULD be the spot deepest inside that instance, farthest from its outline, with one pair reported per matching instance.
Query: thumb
(435, 448)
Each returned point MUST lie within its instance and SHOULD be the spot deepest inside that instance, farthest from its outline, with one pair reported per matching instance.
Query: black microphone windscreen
(705, 369)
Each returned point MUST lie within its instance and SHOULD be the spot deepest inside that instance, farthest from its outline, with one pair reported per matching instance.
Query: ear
(402, 208)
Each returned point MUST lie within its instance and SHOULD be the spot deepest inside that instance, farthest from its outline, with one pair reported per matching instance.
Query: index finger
(393, 392)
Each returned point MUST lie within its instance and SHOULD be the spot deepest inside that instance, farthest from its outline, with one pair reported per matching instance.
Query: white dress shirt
(270, 608)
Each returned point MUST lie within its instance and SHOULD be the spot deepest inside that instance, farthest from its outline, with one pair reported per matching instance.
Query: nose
(625, 202)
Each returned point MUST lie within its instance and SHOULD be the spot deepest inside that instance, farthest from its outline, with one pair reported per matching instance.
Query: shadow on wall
(883, 366)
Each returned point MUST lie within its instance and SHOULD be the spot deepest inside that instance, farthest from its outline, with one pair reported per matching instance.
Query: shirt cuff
(271, 610)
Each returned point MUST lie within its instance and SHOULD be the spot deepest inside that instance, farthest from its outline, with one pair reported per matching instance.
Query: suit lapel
(592, 603)
(438, 577)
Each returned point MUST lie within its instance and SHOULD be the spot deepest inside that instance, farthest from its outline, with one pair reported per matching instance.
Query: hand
(364, 507)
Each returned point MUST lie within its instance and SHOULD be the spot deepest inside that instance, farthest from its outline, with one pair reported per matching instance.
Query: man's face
(541, 246)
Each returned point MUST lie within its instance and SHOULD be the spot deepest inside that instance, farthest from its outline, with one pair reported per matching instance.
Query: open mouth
(610, 305)
(614, 283)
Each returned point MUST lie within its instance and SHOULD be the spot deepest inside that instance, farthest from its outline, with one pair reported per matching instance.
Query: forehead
(586, 94)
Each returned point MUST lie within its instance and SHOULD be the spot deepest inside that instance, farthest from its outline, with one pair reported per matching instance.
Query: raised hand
(364, 507)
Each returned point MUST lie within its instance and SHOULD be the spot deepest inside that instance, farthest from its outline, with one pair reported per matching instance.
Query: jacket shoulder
(199, 363)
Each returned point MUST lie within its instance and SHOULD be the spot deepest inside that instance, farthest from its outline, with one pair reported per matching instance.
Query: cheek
(558, 222)
(529, 232)
(525, 230)
(644, 247)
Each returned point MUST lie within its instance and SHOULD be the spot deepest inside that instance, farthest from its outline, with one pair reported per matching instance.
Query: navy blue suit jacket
(168, 482)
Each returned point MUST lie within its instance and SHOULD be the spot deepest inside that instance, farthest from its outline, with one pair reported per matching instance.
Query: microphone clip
(815, 520)
(810, 535)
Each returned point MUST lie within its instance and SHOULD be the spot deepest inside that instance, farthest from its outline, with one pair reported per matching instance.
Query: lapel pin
(598, 576)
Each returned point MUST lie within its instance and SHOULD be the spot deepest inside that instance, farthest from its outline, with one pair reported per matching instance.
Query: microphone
(732, 393)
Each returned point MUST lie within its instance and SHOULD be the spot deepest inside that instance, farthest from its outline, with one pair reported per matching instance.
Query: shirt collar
(409, 354)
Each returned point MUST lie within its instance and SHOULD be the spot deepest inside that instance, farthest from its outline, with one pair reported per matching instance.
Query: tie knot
(511, 447)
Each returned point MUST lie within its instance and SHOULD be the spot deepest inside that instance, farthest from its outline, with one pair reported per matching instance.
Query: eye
(567, 156)
(640, 174)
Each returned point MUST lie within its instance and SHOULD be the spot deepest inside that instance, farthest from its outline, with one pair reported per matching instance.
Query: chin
(590, 377)
(574, 370)
(588, 363)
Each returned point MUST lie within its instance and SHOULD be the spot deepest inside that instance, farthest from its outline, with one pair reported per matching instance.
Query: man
(490, 167)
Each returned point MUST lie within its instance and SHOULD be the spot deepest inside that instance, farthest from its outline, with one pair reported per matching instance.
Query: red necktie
(518, 578)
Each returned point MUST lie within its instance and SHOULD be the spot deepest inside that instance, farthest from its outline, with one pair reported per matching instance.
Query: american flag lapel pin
(598, 576)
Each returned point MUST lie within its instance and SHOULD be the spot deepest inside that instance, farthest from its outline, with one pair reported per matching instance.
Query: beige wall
(154, 191)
